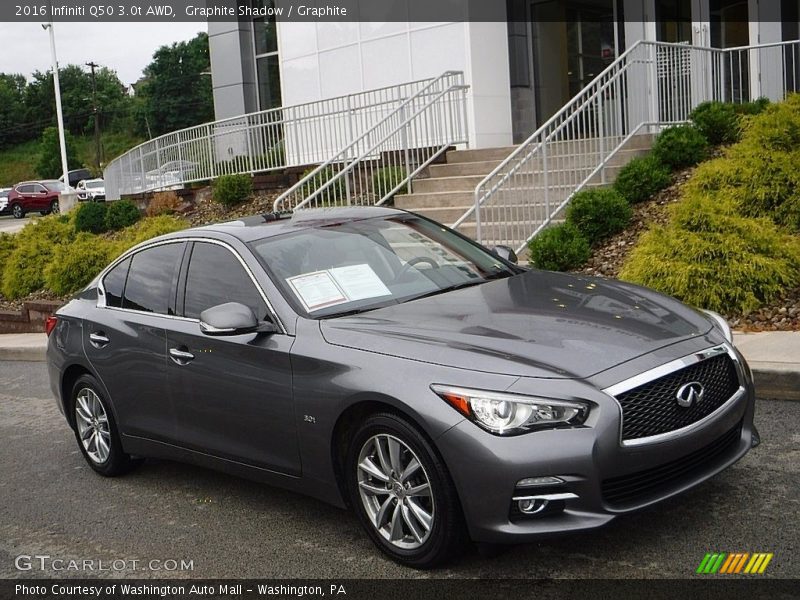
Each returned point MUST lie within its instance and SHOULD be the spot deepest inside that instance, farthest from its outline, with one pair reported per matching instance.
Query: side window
(150, 278)
(216, 276)
(25, 189)
(38, 189)
(114, 283)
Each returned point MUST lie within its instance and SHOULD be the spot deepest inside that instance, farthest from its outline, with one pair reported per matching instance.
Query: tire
(18, 211)
(94, 421)
(402, 533)
(54, 208)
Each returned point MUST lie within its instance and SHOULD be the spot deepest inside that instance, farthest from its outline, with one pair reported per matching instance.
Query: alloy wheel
(17, 210)
(54, 208)
(93, 427)
(395, 491)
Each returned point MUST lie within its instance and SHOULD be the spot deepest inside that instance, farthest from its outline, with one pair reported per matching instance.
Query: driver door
(232, 394)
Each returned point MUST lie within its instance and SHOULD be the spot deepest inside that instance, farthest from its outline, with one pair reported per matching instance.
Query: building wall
(322, 60)
(232, 68)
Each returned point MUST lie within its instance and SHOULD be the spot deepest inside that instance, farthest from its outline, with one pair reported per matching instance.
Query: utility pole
(96, 113)
(59, 114)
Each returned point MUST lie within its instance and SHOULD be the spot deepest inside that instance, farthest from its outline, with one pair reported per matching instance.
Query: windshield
(93, 185)
(362, 265)
(56, 186)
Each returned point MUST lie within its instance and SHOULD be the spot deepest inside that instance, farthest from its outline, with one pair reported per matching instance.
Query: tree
(49, 165)
(12, 109)
(175, 93)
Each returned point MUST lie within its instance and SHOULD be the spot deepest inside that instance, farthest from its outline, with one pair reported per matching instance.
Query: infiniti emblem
(690, 393)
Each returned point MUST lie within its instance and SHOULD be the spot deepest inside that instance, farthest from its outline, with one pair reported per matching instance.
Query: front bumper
(594, 466)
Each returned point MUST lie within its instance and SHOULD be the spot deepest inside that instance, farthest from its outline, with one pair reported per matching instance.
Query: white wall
(322, 60)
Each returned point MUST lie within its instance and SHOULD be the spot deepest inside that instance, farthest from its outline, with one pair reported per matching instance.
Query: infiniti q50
(375, 359)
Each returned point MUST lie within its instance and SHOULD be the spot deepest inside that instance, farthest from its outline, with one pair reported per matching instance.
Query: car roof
(248, 229)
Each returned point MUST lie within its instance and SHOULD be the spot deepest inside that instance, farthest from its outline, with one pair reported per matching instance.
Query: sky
(126, 48)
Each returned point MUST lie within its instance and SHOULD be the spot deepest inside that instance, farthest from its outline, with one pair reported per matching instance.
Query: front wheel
(17, 211)
(96, 430)
(402, 493)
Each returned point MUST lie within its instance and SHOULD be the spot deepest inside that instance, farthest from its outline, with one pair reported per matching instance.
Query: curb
(778, 384)
(22, 353)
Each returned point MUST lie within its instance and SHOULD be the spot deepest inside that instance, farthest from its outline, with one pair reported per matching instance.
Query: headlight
(722, 324)
(510, 414)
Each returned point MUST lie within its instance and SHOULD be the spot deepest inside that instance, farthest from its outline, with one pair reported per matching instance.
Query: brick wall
(29, 319)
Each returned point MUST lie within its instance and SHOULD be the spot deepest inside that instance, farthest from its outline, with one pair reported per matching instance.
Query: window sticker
(317, 290)
(359, 282)
(322, 289)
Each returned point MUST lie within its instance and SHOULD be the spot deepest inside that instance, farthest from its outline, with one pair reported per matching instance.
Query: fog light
(531, 506)
(539, 481)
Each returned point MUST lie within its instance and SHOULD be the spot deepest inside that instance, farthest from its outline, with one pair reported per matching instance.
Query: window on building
(265, 44)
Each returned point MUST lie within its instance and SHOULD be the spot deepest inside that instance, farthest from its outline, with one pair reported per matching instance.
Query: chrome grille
(652, 408)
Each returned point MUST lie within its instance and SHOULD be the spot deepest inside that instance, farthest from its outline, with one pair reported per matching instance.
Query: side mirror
(506, 253)
(232, 318)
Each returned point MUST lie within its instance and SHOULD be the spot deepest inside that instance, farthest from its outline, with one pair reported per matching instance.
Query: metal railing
(651, 85)
(270, 140)
(384, 159)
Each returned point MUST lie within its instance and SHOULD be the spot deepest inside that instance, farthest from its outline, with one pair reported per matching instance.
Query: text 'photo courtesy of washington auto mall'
(401, 299)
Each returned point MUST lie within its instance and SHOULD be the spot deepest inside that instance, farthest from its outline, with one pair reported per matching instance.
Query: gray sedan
(375, 359)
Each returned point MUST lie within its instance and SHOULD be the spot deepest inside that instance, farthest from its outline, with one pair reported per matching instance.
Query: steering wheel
(413, 263)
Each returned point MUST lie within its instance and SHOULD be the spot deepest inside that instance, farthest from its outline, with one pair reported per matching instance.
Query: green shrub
(680, 146)
(641, 179)
(75, 264)
(711, 257)
(598, 213)
(8, 243)
(35, 244)
(333, 195)
(717, 121)
(121, 214)
(384, 180)
(231, 190)
(147, 229)
(752, 108)
(777, 128)
(559, 248)
(91, 217)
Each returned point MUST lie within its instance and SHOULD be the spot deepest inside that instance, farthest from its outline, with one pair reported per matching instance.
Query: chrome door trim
(101, 297)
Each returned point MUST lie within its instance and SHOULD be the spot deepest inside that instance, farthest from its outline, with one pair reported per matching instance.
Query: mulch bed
(783, 314)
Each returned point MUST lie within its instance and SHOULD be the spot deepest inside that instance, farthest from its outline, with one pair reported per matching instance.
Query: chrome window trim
(101, 297)
(670, 367)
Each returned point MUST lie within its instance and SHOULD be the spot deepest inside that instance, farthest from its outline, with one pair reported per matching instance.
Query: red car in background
(35, 196)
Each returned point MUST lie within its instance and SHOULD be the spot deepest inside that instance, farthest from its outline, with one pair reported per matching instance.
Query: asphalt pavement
(9, 224)
(52, 504)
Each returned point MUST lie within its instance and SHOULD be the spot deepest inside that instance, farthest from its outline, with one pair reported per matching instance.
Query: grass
(19, 162)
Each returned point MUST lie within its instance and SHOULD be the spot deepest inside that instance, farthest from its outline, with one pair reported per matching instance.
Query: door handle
(181, 357)
(98, 339)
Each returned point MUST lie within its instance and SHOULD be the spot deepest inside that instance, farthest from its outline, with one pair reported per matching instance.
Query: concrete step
(433, 200)
(465, 183)
(464, 168)
(479, 155)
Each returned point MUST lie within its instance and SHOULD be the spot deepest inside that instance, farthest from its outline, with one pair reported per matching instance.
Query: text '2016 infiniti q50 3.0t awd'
(370, 357)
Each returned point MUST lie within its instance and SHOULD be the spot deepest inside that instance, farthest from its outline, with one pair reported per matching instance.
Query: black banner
(727, 588)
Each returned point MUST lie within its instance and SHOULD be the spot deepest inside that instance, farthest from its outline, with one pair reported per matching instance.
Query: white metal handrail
(384, 159)
(269, 140)
(650, 85)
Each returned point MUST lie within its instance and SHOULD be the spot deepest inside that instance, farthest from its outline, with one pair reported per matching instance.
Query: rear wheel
(17, 211)
(402, 493)
(54, 209)
(96, 430)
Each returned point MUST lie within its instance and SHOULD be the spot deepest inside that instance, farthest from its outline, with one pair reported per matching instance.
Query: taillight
(50, 324)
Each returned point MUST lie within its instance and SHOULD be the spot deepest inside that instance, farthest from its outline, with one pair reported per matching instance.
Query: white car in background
(4, 200)
(92, 189)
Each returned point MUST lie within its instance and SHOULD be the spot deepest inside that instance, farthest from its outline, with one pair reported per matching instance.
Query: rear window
(114, 283)
(151, 279)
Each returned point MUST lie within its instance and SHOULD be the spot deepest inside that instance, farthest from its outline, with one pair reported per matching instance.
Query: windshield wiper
(451, 288)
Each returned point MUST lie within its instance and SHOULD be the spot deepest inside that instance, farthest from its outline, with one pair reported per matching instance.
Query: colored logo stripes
(730, 563)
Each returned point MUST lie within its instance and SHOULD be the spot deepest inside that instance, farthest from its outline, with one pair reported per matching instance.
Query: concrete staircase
(447, 191)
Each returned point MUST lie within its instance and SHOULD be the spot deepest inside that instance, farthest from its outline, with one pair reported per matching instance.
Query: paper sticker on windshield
(359, 282)
(317, 290)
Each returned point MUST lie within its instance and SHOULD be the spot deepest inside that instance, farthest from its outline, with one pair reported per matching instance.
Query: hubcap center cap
(399, 490)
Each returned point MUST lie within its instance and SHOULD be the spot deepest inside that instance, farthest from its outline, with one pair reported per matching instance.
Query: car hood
(536, 324)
